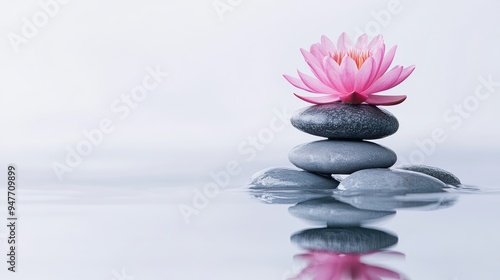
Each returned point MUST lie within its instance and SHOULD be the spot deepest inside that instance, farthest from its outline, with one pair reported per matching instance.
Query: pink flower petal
(314, 84)
(365, 74)
(383, 272)
(316, 67)
(385, 99)
(310, 58)
(378, 57)
(353, 98)
(344, 43)
(327, 44)
(348, 72)
(333, 74)
(376, 43)
(319, 99)
(362, 42)
(388, 57)
(384, 82)
(315, 50)
(323, 51)
(404, 74)
(297, 83)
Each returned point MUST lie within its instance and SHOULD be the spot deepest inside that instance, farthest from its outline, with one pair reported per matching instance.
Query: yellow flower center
(358, 56)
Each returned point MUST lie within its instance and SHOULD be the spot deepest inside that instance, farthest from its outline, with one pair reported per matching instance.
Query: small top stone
(345, 121)
(438, 173)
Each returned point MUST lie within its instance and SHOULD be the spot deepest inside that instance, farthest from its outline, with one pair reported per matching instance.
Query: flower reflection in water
(327, 265)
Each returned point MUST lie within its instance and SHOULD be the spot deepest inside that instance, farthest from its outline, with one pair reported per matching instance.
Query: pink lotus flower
(324, 265)
(351, 73)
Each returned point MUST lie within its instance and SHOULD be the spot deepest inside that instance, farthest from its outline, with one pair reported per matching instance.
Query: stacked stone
(346, 127)
(346, 150)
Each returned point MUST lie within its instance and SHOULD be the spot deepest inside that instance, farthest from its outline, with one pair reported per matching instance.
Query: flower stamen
(359, 56)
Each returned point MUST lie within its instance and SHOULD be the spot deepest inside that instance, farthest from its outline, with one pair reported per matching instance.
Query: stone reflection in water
(348, 240)
(382, 202)
(335, 213)
(287, 197)
(335, 253)
(326, 265)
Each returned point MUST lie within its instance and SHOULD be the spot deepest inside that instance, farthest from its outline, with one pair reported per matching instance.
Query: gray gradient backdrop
(225, 80)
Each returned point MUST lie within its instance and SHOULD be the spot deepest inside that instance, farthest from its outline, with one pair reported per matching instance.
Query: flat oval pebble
(391, 182)
(345, 121)
(354, 240)
(438, 173)
(282, 178)
(341, 156)
(335, 213)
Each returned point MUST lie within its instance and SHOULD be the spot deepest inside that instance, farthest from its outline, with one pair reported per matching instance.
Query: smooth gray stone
(334, 212)
(345, 121)
(355, 240)
(281, 178)
(390, 182)
(341, 156)
(438, 173)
